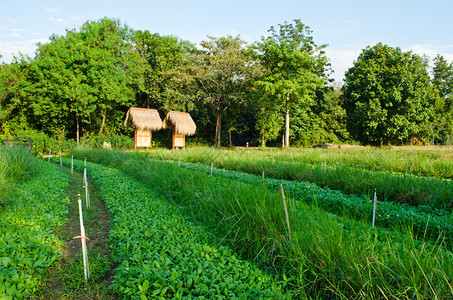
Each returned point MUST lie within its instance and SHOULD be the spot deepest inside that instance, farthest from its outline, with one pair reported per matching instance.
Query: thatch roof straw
(143, 118)
(181, 122)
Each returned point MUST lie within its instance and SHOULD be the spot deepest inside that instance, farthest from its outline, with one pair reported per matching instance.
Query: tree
(167, 82)
(224, 72)
(388, 96)
(81, 75)
(443, 83)
(294, 68)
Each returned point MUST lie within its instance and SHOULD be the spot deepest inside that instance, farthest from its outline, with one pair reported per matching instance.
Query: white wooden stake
(263, 176)
(179, 163)
(212, 166)
(286, 211)
(72, 164)
(50, 153)
(374, 209)
(61, 162)
(85, 182)
(83, 238)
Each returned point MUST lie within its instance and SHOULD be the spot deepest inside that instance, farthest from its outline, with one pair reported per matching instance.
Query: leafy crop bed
(392, 186)
(426, 222)
(28, 220)
(162, 254)
(325, 256)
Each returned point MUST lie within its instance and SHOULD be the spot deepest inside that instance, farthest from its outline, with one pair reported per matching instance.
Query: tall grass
(396, 187)
(16, 165)
(417, 162)
(326, 256)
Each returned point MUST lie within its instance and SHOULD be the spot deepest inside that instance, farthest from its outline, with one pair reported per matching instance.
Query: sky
(347, 26)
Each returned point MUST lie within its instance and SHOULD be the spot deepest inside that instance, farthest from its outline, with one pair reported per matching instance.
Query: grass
(397, 187)
(161, 254)
(327, 257)
(16, 165)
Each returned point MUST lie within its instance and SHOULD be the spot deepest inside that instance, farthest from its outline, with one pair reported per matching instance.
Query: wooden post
(135, 139)
(50, 153)
(83, 238)
(374, 209)
(286, 211)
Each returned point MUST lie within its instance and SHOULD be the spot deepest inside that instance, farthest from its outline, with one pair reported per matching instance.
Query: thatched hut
(145, 121)
(181, 124)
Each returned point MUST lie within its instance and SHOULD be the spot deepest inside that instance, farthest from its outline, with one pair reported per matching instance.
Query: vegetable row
(393, 186)
(28, 244)
(321, 255)
(162, 254)
(426, 222)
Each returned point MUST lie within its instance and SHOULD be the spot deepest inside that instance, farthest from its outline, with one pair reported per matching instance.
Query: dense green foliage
(28, 220)
(388, 96)
(425, 221)
(162, 254)
(396, 187)
(16, 165)
(294, 70)
(324, 256)
(82, 83)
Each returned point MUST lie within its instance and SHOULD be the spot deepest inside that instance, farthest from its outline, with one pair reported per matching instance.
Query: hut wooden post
(135, 139)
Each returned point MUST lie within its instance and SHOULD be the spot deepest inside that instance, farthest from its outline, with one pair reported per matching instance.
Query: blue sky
(347, 26)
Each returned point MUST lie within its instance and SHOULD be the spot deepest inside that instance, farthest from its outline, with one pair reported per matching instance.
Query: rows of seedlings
(425, 221)
(160, 253)
(313, 252)
(29, 218)
(402, 187)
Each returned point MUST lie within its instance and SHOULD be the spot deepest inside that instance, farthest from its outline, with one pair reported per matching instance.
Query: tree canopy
(81, 84)
(388, 96)
(295, 67)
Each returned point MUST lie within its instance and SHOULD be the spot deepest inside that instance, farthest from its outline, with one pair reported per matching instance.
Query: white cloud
(432, 50)
(10, 49)
(56, 21)
(341, 60)
(16, 35)
(52, 10)
(11, 20)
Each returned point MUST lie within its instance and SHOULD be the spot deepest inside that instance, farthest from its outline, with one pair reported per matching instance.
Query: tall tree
(443, 82)
(224, 72)
(85, 74)
(388, 96)
(167, 82)
(295, 67)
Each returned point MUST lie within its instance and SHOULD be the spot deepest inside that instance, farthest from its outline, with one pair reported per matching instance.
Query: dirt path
(67, 281)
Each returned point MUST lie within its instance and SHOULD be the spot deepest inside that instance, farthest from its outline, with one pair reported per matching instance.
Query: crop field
(239, 224)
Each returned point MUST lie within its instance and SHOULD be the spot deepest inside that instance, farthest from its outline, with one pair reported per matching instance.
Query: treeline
(277, 91)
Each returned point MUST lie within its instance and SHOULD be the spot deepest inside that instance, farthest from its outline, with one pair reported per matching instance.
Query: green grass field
(179, 232)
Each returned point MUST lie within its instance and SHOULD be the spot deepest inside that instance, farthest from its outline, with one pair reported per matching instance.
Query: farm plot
(320, 255)
(161, 254)
(425, 221)
(392, 186)
(437, 164)
(28, 220)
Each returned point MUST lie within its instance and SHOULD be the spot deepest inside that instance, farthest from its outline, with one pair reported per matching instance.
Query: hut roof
(143, 118)
(181, 122)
